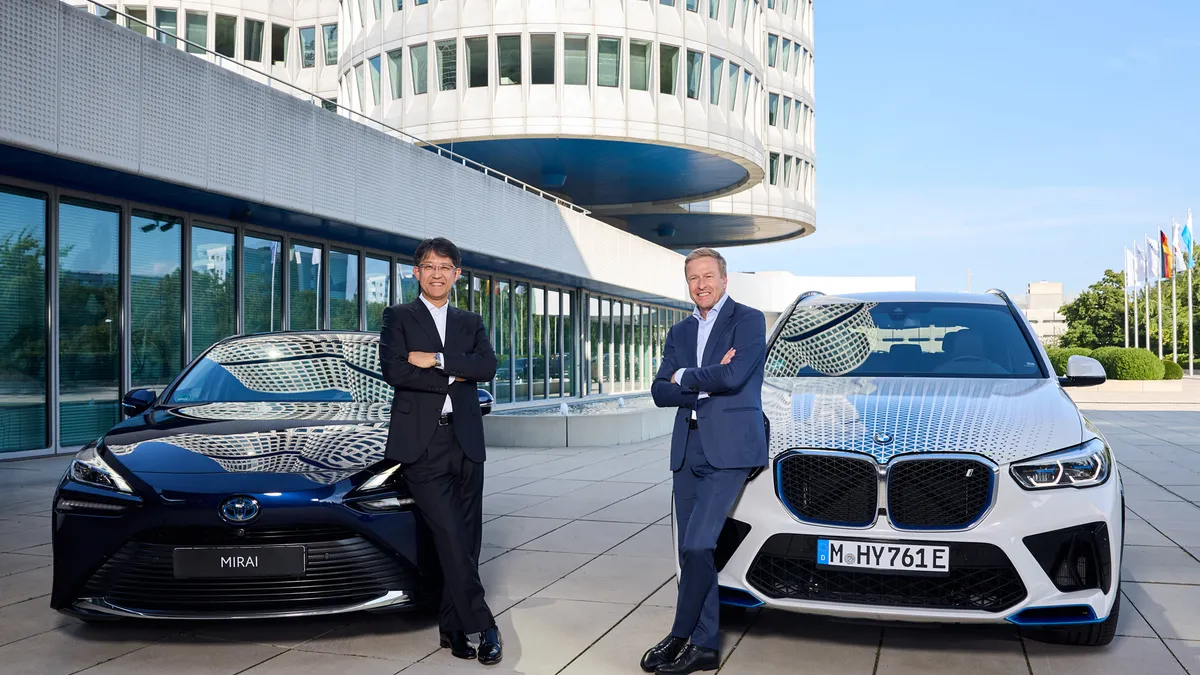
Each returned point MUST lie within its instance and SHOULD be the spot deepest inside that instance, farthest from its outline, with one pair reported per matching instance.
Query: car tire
(1085, 635)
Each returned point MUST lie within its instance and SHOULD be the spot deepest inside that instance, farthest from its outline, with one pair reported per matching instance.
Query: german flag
(1167, 267)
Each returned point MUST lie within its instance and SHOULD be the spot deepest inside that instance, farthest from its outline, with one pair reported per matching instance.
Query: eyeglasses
(444, 269)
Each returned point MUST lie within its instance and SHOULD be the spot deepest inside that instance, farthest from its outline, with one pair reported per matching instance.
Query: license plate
(868, 555)
(240, 561)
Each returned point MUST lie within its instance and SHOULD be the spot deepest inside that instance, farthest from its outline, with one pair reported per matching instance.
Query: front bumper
(120, 564)
(998, 540)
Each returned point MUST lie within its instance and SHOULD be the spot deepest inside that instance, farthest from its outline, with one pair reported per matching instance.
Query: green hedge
(1128, 363)
(1174, 371)
(1059, 355)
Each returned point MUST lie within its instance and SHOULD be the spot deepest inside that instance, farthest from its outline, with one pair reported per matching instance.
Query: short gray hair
(706, 253)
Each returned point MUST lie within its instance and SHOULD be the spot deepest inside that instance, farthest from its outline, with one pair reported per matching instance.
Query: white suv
(926, 465)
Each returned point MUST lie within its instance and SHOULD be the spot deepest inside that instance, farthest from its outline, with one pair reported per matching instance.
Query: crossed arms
(734, 370)
(415, 370)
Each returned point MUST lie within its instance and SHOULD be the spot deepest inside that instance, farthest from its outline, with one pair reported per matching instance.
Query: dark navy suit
(712, 457)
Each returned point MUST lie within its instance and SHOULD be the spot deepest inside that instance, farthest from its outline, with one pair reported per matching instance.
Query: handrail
(313, 98)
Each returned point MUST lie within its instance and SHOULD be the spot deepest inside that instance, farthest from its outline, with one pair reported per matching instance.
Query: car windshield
(315, 367)
(831, 336)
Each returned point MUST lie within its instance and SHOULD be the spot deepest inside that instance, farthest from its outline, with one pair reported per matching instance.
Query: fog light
(67, 505)
(387, 504)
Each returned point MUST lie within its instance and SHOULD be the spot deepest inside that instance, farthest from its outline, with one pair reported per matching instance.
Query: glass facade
(138, 293)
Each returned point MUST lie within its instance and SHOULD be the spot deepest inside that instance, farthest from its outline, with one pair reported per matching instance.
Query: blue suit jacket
(730, 420)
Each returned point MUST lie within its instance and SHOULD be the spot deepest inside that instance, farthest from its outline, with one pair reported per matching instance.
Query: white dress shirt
(702, 333)
(439, 320)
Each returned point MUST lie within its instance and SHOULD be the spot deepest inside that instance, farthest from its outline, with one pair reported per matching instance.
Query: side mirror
(485, 401)
(137, 401)
(1083, 371)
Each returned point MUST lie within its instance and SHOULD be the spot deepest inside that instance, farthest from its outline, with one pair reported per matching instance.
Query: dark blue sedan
(254, 486)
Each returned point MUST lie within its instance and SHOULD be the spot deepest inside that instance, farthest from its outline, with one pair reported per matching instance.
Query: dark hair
(441, 246)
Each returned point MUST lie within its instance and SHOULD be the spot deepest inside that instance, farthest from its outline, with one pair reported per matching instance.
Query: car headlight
(378, 480)
(90, 468)
(1084, 465)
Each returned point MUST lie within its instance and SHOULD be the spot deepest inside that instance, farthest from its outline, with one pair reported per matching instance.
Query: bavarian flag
(1165, 246)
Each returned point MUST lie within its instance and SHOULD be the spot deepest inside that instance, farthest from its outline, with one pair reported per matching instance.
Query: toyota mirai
(926, 465)
(254, 486)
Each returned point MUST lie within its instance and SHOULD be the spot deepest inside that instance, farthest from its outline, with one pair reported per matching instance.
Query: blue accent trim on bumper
(1064, 621)
(737, 597)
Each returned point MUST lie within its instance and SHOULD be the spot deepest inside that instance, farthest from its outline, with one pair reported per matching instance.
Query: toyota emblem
(883, 438)
(239, 509)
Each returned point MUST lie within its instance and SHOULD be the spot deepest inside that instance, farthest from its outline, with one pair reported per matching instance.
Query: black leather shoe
(663, 653)
(491, 648)
(458, 644)
(692, 659)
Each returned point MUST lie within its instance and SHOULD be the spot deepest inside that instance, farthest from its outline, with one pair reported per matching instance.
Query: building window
(360, 79)
(279, 44)
(107, 13)
(732, 12)
(693, 5)
(787, 112)
(796, 114)
(787, 170)
(575, 59)
(167, 22)
(554, 363)
(447, 52)
(262, 284)
(252, 49)
(378, 273)
(639, 65)
(197, 32)
(770, 4)
(421, 2)
(787, 54)
(139, 25)
(409, 287)
(608, 62)
(24, 416)
(396, 72)
(225, 40)
(695, 70)
(88, 320)
(746, 18)
(520, 362)
(734, 71)
(378, 8)
(668, 69)
(308, 47)
(397, 5)
(774, 168)
(714, 8)
(331, 43)
(796, 68)
(668, 3)
(306, 309)
(477, 61)
(418, 56)
(329, 104)
(538, 326)
(155, 298)
(745, 89)
(772, 48)
(508, 48)
(715, 63)
(784, 9)
(773, 110)
(376, 94)
(460, 295)
(343, 290)
(213, 311)
(503, 340)
(541, 49)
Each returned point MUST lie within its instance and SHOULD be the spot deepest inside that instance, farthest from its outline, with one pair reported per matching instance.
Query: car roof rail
(808, 294)
(1001, 294)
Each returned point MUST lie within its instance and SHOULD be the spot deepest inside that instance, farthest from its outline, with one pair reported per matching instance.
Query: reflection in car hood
(323, 442)
(1003, 419)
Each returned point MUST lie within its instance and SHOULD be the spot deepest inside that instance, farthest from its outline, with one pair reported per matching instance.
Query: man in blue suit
(712, 370)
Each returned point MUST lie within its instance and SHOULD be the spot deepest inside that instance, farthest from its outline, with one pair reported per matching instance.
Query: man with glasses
(435, 355)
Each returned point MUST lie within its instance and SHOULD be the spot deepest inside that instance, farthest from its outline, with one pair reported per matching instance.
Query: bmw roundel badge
(239, 509)
(883, 438)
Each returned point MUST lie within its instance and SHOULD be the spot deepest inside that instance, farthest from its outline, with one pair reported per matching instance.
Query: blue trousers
(704, 495)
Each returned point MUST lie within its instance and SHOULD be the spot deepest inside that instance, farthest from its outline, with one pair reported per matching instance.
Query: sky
(1024, 140)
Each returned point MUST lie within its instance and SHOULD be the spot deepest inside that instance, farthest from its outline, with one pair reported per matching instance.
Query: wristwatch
(439, 361)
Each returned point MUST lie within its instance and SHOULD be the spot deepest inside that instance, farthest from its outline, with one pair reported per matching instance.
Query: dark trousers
(448, 490)
(704, 496)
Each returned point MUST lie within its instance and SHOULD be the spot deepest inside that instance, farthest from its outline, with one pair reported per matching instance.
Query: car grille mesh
(343, 568)
(938, 493)
(829, 489)
(981, 578)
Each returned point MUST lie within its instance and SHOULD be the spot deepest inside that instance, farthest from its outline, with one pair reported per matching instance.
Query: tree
(1097, 317)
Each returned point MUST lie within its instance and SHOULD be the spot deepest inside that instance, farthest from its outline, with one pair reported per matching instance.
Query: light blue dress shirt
(702, 333)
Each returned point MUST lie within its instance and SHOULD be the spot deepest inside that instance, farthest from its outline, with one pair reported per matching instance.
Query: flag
(1185, 239)
(1139, 265)
(1177, 246)
(1153, 260)
(1165, 247)
(1130, 270)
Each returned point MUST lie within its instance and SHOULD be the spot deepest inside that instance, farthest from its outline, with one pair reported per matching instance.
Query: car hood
(290, 443)
(1004, 420)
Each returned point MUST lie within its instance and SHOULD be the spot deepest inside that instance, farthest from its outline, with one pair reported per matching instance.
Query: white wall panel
(29, 35)
(174, 124)
(236, 103)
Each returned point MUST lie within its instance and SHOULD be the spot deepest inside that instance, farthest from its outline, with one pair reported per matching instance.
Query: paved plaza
(577, 562)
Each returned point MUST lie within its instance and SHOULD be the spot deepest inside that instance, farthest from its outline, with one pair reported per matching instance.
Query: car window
(291, 368)
(836, 336)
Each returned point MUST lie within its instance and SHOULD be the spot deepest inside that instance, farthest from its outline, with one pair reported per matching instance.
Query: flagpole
(1135, 317)
(1174, 319)
(1125, 296)
(1160, 313)
(1149, 295)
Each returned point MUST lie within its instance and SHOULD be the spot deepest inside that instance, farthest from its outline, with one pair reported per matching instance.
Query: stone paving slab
(578, 567)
